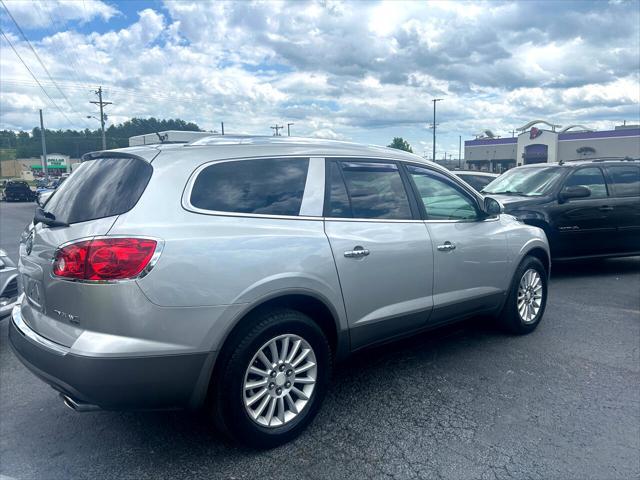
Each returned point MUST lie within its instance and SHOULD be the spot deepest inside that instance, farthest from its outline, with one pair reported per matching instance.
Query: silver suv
(233, 272)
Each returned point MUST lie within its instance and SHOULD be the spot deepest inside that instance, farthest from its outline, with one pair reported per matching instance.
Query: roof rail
(613, 159)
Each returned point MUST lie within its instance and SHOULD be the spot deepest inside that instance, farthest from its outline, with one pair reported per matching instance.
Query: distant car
(586, 208)
(8, 284)
(17, 190)
(478, 180)
(43, 194)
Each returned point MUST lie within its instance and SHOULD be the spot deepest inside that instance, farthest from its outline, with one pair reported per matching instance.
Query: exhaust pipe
(78, 406)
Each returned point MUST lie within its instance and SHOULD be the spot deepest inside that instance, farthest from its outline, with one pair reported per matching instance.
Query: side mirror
(578, 191)
(492, 207)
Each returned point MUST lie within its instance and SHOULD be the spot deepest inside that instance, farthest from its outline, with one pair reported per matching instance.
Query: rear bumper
(151, 382)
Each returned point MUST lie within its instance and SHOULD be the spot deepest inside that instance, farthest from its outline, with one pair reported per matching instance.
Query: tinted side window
(267, 186)
(376, 190)
(338, 200)
(100, 188)
(442, 199)
(589, 177)
(477, 181)
(626, 180)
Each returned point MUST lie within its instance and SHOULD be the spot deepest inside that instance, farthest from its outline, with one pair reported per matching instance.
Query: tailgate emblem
(67, 316)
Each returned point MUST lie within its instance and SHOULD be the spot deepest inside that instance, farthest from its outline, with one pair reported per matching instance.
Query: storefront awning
(50, 167)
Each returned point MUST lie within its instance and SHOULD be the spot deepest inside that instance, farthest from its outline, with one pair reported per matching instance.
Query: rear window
(100, 188)
(17, 186)
(265, 187)
(626, 180)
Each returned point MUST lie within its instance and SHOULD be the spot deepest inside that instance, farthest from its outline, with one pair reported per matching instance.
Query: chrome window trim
(145, 271)
(186, 195)
(24, 329)
(370, 220)
(313, 195)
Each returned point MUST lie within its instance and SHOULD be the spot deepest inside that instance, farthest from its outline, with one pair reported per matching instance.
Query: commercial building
(27, 168)
(550, 143)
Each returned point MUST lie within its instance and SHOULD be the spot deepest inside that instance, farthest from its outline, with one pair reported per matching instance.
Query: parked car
(16, 191)
(586, 208)
(231, 273)
(43, 193)
(8, 284)
(475, 178)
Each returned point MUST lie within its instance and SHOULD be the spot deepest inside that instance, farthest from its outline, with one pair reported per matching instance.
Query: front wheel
(273, 383)
(527, 298)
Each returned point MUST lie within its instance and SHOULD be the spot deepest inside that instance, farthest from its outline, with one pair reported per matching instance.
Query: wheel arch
(316, 307)
(542, 255)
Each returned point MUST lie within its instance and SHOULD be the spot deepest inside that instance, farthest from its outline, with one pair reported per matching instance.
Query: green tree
(401, 144)
(78, 142)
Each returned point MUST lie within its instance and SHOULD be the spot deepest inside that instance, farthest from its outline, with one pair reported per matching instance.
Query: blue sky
(362, 71)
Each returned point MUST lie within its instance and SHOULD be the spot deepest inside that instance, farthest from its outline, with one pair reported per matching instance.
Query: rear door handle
(605, 208)
(357, 252)
(446, 247)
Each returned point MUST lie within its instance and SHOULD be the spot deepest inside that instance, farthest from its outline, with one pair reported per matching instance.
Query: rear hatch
(84, 206)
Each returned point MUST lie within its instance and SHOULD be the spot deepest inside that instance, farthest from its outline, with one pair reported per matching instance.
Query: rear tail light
(98, 259)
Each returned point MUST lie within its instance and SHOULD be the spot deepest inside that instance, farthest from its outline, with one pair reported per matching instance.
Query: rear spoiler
(114, 154)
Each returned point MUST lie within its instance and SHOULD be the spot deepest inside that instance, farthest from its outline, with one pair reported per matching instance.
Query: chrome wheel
(279, 380)
(529, 295)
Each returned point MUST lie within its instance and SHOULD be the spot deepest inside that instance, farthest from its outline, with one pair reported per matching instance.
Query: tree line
(76, 143)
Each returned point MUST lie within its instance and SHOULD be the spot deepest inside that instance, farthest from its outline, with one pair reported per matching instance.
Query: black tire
(509, 318)
(227, 395)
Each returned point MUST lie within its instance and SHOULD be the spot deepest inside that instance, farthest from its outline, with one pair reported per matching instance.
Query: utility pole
(102, 115)
(44, 150)
(277, 129)
(459, 151)
(434, 125)
(513, 133)
(289, 129)
(222, 126)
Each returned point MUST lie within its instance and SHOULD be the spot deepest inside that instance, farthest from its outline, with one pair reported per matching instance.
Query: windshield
(525, 181)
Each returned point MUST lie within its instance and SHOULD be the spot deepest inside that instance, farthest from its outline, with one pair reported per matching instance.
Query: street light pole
(44, 150)
(459, 151)
(434, 125)
(289, 129)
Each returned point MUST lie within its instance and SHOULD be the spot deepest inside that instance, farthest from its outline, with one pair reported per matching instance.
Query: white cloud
(44, 13)
(361, 71)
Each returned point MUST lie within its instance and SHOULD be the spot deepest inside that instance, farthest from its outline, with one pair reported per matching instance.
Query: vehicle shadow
(596, 267)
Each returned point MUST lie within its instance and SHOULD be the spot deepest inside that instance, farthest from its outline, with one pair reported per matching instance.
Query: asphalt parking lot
(463, 402)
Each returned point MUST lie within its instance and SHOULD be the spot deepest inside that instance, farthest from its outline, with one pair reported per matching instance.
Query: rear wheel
(527, 298)
(271, 387)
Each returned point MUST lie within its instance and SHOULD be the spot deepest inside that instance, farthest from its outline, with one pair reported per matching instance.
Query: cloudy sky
(362, 71)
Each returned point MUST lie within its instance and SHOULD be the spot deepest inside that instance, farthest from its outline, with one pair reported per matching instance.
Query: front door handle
(357, 252)
(605, 208)
(446, 247)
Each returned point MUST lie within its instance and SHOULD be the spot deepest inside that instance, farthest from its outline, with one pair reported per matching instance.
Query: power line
(40, 60)
(34, 77)
(102, 115)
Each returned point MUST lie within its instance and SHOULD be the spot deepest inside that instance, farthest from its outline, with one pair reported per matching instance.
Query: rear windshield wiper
(47, 218)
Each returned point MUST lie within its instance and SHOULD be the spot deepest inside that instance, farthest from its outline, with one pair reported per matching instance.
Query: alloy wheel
(529, 295)
(279, 380)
